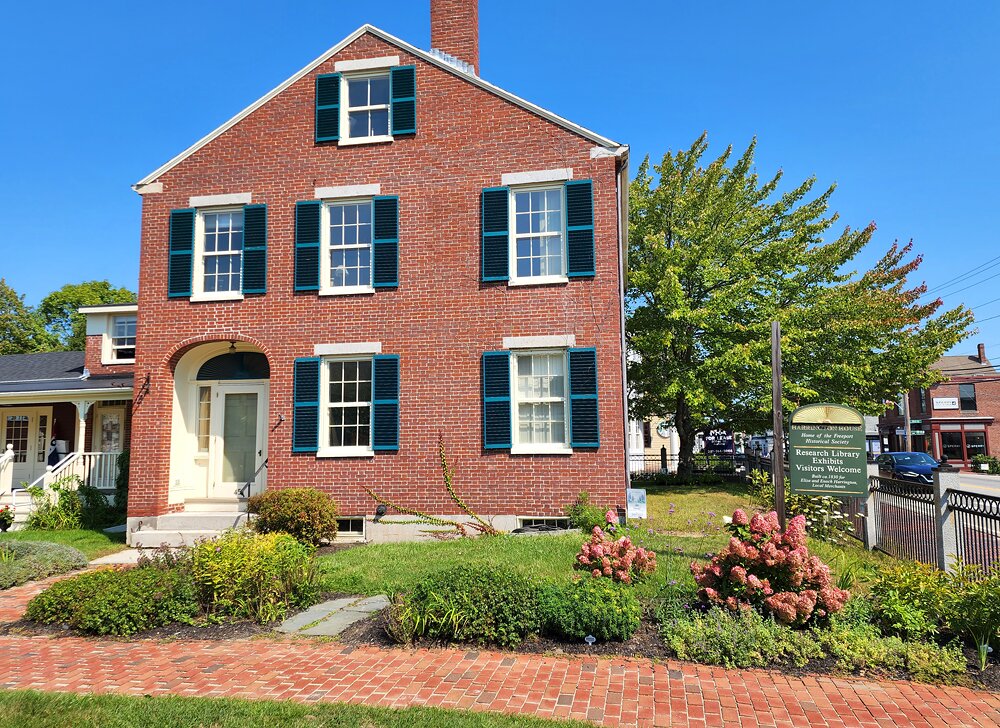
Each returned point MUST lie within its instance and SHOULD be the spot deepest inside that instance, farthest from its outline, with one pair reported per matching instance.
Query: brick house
(68, 412)
(954, 418)
(383, 250)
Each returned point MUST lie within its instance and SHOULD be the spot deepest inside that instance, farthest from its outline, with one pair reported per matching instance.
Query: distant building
(955, 418)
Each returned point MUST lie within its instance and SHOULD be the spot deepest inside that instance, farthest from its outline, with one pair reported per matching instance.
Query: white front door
(27, 430)
(107, 438)
(239, 439)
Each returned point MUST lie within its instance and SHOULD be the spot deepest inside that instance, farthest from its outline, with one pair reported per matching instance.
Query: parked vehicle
(917, 467)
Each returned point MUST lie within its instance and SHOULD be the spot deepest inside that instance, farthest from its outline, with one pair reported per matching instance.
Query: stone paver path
(331, 618)
(631, 692)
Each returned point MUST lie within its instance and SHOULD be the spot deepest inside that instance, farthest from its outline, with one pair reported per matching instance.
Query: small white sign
(636, 503)
(945, 403)
(901, 432)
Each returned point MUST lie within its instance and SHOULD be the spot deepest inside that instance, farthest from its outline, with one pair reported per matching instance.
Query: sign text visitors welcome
(827, 451)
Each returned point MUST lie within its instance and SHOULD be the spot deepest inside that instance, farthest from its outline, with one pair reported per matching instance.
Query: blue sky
(896, 102)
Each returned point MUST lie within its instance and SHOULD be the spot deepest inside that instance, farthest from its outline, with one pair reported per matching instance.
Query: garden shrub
(911, 599)
(256, 576)
(618, 560)
(57, 507)
(123, 462)
(992, 464)
(973, 608)
(118, 602)
(308, 514)
(585, 515)
(24, 561)
(597, 607)
(483, 603)
(742, 639)
(770, 571)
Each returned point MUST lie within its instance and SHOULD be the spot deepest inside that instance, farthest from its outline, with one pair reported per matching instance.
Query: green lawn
(694, 508)
(55, 710)
(92, 543)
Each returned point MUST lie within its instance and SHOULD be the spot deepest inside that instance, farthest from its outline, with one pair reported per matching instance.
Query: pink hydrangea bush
(773, 572)
(619, 560)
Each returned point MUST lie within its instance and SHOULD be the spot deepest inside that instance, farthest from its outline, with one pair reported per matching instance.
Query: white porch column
(82, 408)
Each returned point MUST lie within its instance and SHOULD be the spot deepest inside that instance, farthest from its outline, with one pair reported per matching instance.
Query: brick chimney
(455, 30)
(982, 353)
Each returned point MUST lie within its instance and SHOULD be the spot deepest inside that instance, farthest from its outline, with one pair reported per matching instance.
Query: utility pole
(778, 452)
(906, 422)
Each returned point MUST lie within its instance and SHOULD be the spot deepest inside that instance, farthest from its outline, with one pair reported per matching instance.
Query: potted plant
(6, 517)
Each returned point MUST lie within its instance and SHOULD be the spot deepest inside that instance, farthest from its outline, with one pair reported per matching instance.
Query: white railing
(6, 470)
(96, 469)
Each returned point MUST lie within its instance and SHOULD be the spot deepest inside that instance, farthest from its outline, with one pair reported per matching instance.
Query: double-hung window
(538, 222)
(346, 265)
(346, 414)
(123, 339)
(219, 254)
(366, 112)
(540, 407)
(967, 397)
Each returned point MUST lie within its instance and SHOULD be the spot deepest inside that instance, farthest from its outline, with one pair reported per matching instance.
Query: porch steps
(186, 528)
(214, 505)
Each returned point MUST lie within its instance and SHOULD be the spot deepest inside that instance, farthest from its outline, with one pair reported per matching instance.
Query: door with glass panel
(109, 431)
(27, 430)
(239, 439)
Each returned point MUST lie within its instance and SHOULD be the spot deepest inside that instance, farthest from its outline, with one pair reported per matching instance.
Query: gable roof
(402, 45)
(53, 371)
(964, 366)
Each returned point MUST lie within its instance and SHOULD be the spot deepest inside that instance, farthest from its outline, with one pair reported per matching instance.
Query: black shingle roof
(52, 371)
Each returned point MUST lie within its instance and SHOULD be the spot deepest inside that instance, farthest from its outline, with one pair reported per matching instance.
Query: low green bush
(255, 576)
(992, 464)
(118, 602)
(24, 561)
(483, 603)
(742, 639)
(308, 514)
(598, 607)
(57, 507)
(584, 514)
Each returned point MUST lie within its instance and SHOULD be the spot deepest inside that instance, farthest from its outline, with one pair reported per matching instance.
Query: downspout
(622, 190)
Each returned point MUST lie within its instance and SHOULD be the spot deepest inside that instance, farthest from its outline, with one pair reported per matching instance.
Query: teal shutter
(328, 107)
(580, 228)
(181, 264)
(385, 402)
(385, 242)
(583, 422)
(496, 237)
(305, 414)
(496, 400)
(403, 99)
(307, 245)
(255, 249)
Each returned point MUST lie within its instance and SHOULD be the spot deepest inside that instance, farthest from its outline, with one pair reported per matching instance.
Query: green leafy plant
(597, 607)
(973, 609)
(910, 599)
(584, 514)
(123, 461)
(483, 603)
(57, 507)
(256, 576)
(118, 602)
(24, 561)
(992, 464)
(308, 514)
(6, 515)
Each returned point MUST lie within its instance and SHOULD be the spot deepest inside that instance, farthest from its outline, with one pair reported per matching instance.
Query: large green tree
(716, 254)
(22, 330)
(59, 310)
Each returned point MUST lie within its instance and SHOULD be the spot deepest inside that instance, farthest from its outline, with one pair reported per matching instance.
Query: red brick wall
(455, 29)
(987, 405)
(439, 320)
(92, 359)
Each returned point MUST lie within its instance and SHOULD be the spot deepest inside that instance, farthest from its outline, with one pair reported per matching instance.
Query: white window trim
(366, 64)
(108, 349)
(510, 179)
(325, 289)
(532, 448)
(345, 108)
(198, 292)
(514, 279)
(345, 191)
(360, 349)
(236, 198)
(327, 451)
(539, 342)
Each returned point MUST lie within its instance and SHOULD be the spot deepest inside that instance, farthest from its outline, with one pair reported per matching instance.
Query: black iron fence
(905, 519)
(729, 467)
(977, 527)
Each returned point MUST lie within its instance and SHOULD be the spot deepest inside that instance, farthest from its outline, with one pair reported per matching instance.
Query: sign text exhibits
(827, 455)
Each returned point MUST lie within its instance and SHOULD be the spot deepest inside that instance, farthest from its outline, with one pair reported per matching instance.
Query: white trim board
(236, 198)
(362, 347)
(403, 45)
(331, 193)
(539, 342)
(365, 64)
(510, 179)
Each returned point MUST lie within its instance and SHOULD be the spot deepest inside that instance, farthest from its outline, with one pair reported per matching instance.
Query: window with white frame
(538, 224)
(221, 253)
(348, 406)
(123, 338)
(204, 418)
(367, 107)
(540, 400)
(347, 243)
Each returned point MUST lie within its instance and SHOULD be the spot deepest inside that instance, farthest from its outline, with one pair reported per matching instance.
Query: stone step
(200, 521)
(151, 539)
(215, 505)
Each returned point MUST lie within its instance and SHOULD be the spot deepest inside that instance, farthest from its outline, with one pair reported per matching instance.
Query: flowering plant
(619, 560)
(7, 515)
(771, 571)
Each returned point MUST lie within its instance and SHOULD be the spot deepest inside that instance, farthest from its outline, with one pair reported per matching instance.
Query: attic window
(367, 107)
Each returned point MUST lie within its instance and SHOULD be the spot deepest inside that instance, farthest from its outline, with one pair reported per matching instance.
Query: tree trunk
(686, 435)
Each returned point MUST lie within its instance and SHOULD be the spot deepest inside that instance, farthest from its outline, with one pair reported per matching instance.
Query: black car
(917, 467)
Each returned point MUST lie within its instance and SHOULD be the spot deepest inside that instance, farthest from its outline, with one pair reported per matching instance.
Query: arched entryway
(219, 444)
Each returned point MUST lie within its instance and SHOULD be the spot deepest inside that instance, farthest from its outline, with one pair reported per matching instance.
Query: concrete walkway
(331, 618)
(634, 692)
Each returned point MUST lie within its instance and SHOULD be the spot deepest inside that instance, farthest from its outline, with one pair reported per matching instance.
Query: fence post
(944, 521)
(871, 527)
(663, 458)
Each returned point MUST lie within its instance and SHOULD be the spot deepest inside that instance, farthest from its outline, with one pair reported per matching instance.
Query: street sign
(827, 451)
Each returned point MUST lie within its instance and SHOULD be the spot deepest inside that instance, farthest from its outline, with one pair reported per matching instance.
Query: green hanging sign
(827, 451)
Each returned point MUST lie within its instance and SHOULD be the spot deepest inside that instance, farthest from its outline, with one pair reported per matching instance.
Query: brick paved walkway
(612, 692)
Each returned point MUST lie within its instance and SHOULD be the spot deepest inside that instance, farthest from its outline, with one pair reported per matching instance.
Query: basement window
(544, 521)
(351, 528)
